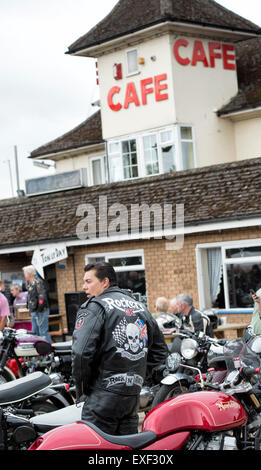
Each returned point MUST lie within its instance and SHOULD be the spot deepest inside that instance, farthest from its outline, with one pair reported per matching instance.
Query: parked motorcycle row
(206, 397)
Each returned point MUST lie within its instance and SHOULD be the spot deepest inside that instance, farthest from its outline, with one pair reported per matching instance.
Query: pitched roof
(89, 132)
(211, 194)
(133, 15)
(249, 77)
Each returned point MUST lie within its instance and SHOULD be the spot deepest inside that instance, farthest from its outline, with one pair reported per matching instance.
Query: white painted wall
(135, 119)
(199, 91)
(248, 138)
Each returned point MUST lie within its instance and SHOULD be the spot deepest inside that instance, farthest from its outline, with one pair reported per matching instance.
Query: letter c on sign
(113, 91)
(181, 43)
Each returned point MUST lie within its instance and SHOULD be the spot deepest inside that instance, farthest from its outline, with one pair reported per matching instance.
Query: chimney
(166, 7)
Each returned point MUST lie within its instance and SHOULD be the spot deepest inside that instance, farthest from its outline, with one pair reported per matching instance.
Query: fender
(173, 378)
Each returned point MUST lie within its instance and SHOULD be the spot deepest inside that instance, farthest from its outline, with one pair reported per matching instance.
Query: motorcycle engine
(216, 442)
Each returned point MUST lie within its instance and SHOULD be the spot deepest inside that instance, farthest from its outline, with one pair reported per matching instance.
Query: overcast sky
(43, 92)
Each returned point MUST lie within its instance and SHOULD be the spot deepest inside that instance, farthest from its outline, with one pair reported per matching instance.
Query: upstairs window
(187, 147)
(132, 61)
(123, 160)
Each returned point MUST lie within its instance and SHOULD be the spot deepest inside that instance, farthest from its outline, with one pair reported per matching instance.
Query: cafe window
(129, 267)
(231, 272)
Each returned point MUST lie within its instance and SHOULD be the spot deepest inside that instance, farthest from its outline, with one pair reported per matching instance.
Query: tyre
(42, 408)
(168, 391)
(6, 376)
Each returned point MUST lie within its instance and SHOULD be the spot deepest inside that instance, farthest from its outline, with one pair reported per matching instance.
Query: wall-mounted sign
(208, 54)
(48, 256)
(138, 96)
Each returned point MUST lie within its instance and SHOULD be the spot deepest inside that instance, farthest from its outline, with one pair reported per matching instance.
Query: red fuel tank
(206, 411)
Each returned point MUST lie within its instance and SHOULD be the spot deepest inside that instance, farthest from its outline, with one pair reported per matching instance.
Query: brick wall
(168, 273)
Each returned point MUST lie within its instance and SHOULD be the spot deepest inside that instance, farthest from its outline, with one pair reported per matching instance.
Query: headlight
(1, 337)
(255, 345)
(189, 348)
(173, 361)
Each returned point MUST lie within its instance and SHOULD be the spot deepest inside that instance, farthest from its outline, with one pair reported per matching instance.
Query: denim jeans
(43, 324)
(35, 328)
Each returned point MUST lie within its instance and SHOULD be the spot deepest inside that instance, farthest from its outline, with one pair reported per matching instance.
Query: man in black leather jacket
(116, 343)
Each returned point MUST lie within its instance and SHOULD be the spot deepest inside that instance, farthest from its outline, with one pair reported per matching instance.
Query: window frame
(175, 141)
(201, 253)
(102, 159)
(136, 72)
(119, 254)
(192, 140)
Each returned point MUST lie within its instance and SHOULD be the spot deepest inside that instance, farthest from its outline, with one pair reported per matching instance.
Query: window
(132, 62)
(123, 160)
(152, 153)
(231, 272)
(167, 151)
(151, 156)
(130, 161)
(187, 147)
(129, 267)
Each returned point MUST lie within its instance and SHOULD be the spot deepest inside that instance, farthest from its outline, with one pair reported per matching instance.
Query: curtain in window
(215, 271)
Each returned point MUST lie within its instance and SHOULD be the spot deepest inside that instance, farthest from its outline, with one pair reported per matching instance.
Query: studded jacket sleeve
(86, 345)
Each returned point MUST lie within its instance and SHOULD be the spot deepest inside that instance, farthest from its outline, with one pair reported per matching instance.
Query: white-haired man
(37, 303)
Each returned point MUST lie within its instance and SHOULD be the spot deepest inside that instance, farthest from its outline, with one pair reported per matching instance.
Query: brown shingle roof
(216, 193)
(132, 15)
(87, 133)
(249, 77)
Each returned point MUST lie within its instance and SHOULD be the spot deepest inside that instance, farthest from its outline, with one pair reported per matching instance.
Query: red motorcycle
(206, 420)
(227, 417)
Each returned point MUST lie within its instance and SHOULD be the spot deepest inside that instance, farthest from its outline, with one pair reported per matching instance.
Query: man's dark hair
(103, 270)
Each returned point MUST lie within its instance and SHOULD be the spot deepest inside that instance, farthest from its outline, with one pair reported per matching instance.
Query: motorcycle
(27, 399)
(184, 368)
(22, 353)
(226, 418)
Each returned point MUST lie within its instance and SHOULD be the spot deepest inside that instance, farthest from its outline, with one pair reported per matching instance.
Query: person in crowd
(6, 291)
(20, 296)
(256, 316)
(4, 311)
(37, 303)
(191, 318)
(173, 305)
(116, 342)
(161, 305)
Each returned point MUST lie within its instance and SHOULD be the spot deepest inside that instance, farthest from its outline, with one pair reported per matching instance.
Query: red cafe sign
(207, 55)
(157, 86)
(138, 95)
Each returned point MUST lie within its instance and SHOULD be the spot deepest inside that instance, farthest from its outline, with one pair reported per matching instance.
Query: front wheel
(168, 391)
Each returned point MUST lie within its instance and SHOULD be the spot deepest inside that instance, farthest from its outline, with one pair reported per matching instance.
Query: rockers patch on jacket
(131, 339)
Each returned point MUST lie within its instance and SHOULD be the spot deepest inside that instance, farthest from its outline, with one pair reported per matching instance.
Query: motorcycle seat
(23, 388)
(63, 347)
(47, 421)
(134, 441)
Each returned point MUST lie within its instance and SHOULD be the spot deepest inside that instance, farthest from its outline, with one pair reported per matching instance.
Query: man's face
(92, 286)
(14, 292)
(179, 307)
